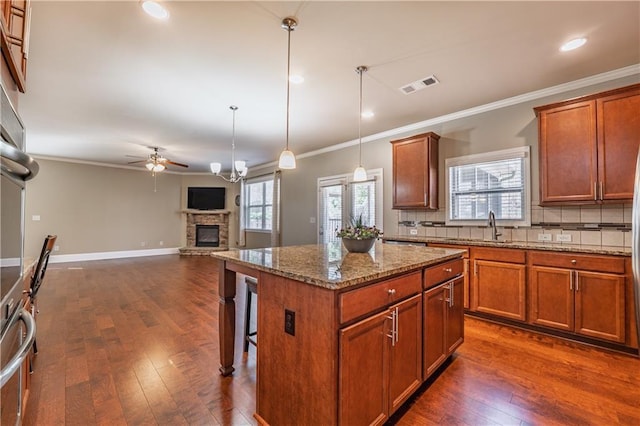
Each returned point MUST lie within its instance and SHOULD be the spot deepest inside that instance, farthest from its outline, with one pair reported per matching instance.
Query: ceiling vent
(419, 84)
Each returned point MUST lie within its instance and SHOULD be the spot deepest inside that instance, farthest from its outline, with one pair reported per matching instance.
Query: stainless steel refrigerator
(635, 244)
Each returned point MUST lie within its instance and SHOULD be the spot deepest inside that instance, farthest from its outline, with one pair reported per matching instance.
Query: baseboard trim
(63, 258)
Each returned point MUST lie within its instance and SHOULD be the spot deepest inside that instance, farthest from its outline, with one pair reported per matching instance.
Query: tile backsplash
(603, 225)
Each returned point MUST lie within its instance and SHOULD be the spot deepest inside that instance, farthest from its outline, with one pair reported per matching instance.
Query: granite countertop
(332, 267)
(564, 247)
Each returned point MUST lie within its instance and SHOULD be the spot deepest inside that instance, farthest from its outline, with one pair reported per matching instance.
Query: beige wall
(507, 127)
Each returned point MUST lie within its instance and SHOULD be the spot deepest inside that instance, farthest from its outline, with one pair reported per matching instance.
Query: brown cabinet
(415, 172)
(443, 323)
(588, 147)
(566, 294)
(14, 37)
(380, 363)
(465, 268)
(499, 282)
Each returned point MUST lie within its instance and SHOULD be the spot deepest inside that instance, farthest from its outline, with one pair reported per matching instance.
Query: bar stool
(249, 336)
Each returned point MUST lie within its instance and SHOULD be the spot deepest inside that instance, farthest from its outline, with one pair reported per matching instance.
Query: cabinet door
(600, 305)
(568, 154)
(405, 363)
(551, 297)
(415, 172)
(435, 345)
(618, 142)
(454, 325)
(364, 363)
(498, 289)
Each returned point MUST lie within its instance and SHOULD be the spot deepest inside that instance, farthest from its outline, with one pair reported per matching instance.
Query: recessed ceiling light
(573, 44)
(367, 114)
(155, 9)
(296, 79)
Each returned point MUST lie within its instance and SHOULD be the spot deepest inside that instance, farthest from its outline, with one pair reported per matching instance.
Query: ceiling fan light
(287, 160)
(155, 9)
(158, 167)
(149, 166)
(215, 168)
(359, 174)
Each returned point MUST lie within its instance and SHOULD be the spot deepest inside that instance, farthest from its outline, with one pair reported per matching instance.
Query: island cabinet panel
(297, 373)
(380, 363)
(443, 323)
(588, 147)
(567, 294)
(465, 268)
(415, 172)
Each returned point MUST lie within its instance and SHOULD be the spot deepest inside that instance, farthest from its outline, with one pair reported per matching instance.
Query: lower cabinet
(499, 289)
(443, 323)
(587, 303)
(380, 363)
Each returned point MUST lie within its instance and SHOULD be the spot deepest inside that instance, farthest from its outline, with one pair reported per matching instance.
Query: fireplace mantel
(205, 217)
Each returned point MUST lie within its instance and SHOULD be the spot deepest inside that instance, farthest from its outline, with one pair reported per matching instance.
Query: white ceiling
(106, 81)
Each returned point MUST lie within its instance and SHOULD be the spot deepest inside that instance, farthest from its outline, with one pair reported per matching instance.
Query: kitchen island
(341, 336)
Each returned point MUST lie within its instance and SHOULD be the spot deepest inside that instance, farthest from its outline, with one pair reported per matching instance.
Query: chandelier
(239, 168)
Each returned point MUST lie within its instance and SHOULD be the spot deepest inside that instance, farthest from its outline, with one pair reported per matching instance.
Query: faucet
(492, 223)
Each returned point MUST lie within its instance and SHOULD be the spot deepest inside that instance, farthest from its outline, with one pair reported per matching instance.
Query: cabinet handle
(573, 261)
(448, 270)
(397, 324)
(601, 190)
(475, 268)
(394, 326)
(577, 282)
(571, 281)
(595, 191)
(451, 295)
(391, 291)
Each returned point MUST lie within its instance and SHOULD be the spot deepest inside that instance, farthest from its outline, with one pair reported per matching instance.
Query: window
(496, 181)
(258, 205)
(340, 199)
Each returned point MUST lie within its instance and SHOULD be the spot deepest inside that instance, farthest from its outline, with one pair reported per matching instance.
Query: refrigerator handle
(14, 363)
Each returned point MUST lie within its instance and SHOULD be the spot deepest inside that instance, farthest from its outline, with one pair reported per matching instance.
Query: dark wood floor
(135, 342)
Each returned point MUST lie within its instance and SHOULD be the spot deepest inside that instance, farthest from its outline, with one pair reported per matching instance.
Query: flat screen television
(205, 198)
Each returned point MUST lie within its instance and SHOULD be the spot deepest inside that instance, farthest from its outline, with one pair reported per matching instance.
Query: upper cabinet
(14, 24)
(588, 148)
(415, 172)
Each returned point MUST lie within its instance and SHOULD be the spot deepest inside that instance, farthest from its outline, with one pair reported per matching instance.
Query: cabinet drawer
(356, 303)
(583, 262)
(443, 272)
(499, 254)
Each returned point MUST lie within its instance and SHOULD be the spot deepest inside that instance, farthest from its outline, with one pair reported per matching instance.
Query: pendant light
(287, 159)
(238, 168)
(360, 174)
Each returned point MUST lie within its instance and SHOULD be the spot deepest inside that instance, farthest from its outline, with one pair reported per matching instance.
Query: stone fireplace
(207, 231)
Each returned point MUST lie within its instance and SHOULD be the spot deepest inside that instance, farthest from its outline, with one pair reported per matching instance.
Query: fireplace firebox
(207, 235)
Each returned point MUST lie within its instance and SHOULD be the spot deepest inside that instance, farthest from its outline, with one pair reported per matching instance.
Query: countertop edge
(612, 251)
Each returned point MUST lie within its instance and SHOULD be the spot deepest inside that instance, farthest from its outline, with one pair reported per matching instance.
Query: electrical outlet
(413, 231)
(544, 237)
(142, 244)
(35, 217)
(289, 322)
(565, 238)
(161, 243)
(56, 248)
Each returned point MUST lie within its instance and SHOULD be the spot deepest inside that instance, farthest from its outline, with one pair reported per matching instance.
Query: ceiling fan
(156, 162)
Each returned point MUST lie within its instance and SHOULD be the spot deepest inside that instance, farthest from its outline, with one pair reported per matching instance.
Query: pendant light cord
(289, 29)
(360, 71)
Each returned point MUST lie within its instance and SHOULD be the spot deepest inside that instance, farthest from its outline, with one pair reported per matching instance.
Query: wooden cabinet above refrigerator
(15, 21)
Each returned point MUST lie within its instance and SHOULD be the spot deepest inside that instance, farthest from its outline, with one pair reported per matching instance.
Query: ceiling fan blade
(136, 162)
(135, 156)
(176, 164)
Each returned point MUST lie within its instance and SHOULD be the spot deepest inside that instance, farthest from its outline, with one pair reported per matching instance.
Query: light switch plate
(565, 238)
(544, 237)
(413, 231)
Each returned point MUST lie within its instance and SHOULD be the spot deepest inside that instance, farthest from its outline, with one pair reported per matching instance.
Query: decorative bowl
(358, 246)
